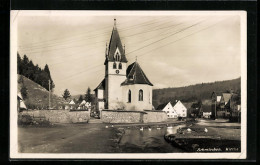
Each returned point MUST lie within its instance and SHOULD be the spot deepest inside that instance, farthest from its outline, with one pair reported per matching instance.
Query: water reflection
(173, 130)
(148, 141)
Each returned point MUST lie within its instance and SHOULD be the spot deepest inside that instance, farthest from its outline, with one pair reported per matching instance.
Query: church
(124, 87)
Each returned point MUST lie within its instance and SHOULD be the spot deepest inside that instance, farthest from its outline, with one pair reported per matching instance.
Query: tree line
(193, 93)
(27, 68)
(88, 96)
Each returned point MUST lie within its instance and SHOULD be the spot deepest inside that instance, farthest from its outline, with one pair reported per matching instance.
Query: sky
(173, 50)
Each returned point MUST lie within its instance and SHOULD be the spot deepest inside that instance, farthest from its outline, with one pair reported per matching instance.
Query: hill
(196, 92)
(37, 96)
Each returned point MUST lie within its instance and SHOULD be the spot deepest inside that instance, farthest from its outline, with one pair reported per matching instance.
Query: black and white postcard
(128, 84)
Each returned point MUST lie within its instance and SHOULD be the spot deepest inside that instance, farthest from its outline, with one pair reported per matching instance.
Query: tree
(19, 64)
(66, 94)
(46, 69)
(80, 99)
(88, 96)
(24, 92)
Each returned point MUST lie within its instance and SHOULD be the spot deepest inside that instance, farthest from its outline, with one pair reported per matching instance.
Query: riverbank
(221, 136)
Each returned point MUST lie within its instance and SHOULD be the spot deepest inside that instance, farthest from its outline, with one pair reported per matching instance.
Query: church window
(140, 95)
(114, 65)
(129, 96)
(120, 65)
(117, 57)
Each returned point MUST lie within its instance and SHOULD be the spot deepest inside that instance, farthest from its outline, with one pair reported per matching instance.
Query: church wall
(135, 104)
(101, 105)
(100, 93)
(114, 91)
(114, 80)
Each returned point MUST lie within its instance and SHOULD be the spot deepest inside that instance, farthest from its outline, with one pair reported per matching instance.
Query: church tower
(115, 70)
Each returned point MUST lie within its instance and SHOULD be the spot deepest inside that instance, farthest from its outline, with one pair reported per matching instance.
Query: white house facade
(180, 109)
(171, 113)
(123, 87)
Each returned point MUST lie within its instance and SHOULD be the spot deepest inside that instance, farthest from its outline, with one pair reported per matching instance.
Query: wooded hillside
(194, 93)
(27, 68)
(37, 97)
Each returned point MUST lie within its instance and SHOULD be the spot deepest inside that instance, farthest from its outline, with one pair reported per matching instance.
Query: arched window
(141, 95)
(117, 57)
(129, 96)
(114, 65)
(120, 65)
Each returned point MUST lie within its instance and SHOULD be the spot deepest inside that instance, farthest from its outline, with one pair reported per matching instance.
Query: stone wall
(55, 116)
(154, 116)
(123, 116)
(120, 116)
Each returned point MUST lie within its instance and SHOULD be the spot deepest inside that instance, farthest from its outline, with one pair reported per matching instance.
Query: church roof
(115, 43)
(101, 85)
(135, 75)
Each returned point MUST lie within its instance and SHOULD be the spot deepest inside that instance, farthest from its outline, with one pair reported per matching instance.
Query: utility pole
(215, 109)
(49, 94)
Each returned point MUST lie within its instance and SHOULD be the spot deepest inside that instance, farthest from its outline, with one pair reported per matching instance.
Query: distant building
(206, 111)
(84, 105)
(20, 103)
(71, 105)
(178, 110)
(168, 108)
(223, 104)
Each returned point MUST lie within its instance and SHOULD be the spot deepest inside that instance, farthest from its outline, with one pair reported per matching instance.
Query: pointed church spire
(114, 23)
(106, 50)
(115, 46)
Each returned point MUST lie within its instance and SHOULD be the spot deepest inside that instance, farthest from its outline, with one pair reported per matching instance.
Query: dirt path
(69, 138)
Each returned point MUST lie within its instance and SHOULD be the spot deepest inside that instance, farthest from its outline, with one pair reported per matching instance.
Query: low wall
(154, 116)
(123, 116)
(117, 116)
(55, 116)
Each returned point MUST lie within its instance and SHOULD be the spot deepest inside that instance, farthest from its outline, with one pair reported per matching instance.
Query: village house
(71, 105)
(178, 110)
(84, 105)
(223, 104)
(168, 108)
(123, 87)
(206, 111)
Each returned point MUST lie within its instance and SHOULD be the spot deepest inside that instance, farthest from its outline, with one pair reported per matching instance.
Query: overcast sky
(173, 51)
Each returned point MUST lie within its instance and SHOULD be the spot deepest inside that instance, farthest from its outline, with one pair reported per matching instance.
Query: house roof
(206, 108)
(72, 102)
(83, 102)
(19, 96)
(226, 96)
(101, 85)
(135, 75)
(115, 42)
(161, 106)
(216, 93)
